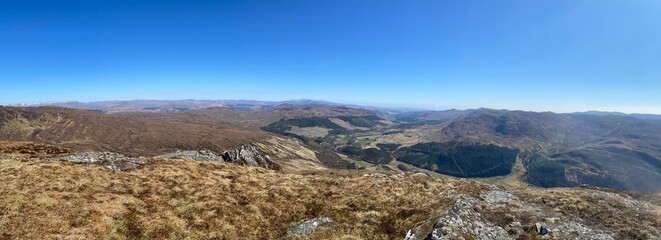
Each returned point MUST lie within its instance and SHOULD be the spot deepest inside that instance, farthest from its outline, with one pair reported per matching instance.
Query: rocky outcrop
(246, 155)
(195, 155)
(110, 160)
(462, 220)
(500, 214)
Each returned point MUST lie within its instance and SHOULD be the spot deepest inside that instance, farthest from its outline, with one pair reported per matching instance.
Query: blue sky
(556, 55)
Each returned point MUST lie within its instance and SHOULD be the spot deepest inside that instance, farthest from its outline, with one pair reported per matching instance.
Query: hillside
(85, 130)
(264, 117)
(620, 152)
(145, 134)
(175, 199)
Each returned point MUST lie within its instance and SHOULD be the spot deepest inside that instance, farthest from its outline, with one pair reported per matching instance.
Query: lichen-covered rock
(245, 155)
(248, 155)
(462, 221)
(497, 214)
(196, 155)
(113, 161)
(307, 227)
(571, 230)
(497, 196)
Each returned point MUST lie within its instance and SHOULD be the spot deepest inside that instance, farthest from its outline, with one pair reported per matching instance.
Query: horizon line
(401, 107)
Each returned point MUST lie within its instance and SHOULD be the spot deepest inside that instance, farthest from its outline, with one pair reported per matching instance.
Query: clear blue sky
(559, 55)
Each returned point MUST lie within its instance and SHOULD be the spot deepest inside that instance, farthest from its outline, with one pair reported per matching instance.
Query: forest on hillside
(460, 159)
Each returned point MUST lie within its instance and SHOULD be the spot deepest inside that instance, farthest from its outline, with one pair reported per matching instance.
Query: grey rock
(498, 196)
(462, 220)
(110, 160)
(571, 230)
(195, 155)
(375, 175)
(307, 227)
(249, 155)
(245, 155)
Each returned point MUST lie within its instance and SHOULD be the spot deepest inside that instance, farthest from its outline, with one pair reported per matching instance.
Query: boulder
(307, 227)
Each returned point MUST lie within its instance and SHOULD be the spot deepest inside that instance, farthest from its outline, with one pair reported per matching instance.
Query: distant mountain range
(636, 115)
(192, 104)
(173, 105)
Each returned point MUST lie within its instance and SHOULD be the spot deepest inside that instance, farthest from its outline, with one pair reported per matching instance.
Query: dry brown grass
(175, 199)
(594, 210)
(29, 149)
(132, 134)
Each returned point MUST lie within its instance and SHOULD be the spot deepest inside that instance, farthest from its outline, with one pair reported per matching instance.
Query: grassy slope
(178, 199)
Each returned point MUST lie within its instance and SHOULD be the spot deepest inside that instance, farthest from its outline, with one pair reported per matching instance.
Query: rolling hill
(86, 130)
(614, 151)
